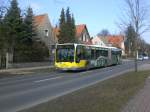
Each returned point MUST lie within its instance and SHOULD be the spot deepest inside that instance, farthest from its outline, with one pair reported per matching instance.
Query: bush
(37, 52)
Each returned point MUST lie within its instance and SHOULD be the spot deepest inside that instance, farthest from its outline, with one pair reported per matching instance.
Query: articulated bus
(72, 56)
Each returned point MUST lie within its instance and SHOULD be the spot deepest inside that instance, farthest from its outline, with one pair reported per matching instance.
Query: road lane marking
(43, 80)
(101, 71)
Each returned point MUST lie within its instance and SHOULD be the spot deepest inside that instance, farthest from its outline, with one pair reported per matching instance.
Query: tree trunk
(0, 61)
(7, 60)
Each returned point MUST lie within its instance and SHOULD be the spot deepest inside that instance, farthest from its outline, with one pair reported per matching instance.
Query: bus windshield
(65, 53)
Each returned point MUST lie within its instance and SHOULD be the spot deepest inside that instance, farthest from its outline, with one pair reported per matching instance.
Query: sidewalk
(24, 71)
(141, 101)
(144, 67)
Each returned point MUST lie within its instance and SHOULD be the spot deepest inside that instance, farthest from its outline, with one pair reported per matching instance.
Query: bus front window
(65, 55)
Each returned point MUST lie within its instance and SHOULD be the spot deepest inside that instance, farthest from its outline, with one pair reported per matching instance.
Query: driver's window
(78, 54)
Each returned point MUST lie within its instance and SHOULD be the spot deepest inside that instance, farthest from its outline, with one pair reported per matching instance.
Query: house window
(46, 33)
(80, 38)
(87, 39)
(84, 38)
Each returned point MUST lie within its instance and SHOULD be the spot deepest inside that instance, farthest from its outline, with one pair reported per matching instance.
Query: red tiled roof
(79, 29)
(115, 40)
(39, 19)
(56, 31)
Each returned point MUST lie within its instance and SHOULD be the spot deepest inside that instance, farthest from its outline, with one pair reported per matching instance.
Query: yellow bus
(72, 56)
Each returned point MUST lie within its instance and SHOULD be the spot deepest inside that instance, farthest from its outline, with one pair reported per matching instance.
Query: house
(44, 29)
(111, 41)
(116, 41)
(44, 32)
(97, 41)
(56, 33)
(82, 34)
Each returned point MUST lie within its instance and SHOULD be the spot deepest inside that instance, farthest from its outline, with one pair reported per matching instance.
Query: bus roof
(112, 48)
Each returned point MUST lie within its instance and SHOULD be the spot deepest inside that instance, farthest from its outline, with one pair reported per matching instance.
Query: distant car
(140, 58)
(145, 57)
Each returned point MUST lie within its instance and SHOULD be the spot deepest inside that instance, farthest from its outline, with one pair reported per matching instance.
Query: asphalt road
(21, 92)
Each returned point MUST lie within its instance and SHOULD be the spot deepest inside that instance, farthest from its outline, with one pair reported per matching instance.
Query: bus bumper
(70, 69)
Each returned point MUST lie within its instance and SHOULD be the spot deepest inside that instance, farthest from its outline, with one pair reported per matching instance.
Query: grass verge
(108, 96)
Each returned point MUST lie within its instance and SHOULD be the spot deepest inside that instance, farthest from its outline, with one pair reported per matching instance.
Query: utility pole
(137, 9)
(136, 66)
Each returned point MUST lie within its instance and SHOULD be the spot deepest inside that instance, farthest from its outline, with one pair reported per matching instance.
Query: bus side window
(92, 54)
(104, 53)
(71, 54)
(88, 54)
(78, 53)
(97, 53)
(83, 53)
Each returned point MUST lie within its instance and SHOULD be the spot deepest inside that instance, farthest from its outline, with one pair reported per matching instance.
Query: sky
(96, 14)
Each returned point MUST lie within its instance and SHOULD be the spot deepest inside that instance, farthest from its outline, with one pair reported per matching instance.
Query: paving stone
(141, 102)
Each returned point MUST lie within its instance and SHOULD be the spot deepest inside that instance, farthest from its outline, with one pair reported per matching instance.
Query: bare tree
(136, 14)
(103, 32)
